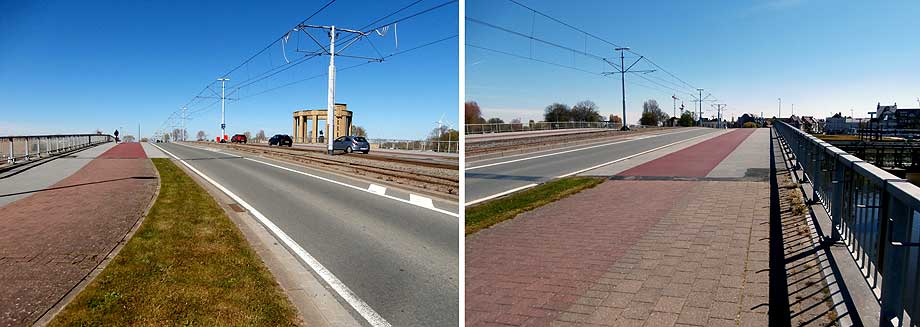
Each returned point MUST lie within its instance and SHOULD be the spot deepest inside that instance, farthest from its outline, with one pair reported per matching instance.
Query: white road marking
(629, 157)
(352, 187)
(420, 201)
(350, 297)
(581, 170)
(500, 194)
(573, 150)
(374, 188)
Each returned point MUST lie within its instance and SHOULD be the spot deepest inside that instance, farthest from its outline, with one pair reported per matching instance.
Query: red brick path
(631, 253)
(694, 161)
(51, 239)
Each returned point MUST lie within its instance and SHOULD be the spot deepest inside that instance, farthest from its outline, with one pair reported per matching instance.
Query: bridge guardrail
(535, 126)
(874, 213)
(16, 149)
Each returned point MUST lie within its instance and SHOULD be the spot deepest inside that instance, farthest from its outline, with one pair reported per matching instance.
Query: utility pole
(780, 107)
(330, 100)
(674, 97)
(719, 107)
(701, 106)
(793, 109)
(223, 122)
(622, 70)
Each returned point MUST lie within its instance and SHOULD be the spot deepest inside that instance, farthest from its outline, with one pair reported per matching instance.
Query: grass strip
(490, 213)
(187, 265)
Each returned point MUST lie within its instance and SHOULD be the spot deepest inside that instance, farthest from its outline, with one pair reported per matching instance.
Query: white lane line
(573, 150)
(377, 189)
(490, 197)
(581, 171)
(628, 157)
(421, 201)
(353, 300)
(353, 187)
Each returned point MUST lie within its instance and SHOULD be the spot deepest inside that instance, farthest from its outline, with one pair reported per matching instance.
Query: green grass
(187, 265)
(490, 213)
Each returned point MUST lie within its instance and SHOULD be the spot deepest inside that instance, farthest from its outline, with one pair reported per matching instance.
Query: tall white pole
(330, 105)
(223, 122)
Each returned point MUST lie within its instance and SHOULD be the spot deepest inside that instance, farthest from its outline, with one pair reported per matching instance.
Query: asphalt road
(401, 259)
(494, 176)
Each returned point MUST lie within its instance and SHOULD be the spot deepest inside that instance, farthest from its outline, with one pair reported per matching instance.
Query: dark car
(280, 139)
(238, 138)
(350, 144)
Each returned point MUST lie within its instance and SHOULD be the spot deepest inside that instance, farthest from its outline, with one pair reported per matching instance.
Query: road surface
(487, 179)
(399, 258)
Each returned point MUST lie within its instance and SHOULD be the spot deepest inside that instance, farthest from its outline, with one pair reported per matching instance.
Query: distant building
(810, 125)
(836, 124)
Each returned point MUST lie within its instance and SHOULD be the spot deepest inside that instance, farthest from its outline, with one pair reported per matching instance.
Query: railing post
(837, 201)
(892, 259)
(12, 156)
(27, 148)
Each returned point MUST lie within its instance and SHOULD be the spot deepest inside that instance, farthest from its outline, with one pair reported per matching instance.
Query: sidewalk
(679, 240)
(51, 239)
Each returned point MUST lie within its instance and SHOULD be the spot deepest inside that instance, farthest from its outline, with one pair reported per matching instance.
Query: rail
(23, 148)
(874, 213)
(534, 126)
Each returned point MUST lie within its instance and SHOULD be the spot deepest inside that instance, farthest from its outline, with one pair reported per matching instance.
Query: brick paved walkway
(631, 253)
(53, 238)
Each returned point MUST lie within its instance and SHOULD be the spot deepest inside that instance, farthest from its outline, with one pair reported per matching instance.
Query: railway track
(433, 177)
(369, 156)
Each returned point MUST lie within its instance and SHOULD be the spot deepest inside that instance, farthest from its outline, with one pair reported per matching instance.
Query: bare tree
(260, 136)
(201, 136)
(586, 111)
(248, 135)
(516, 121)
(652, 114)
(359, 131)
(127, 138)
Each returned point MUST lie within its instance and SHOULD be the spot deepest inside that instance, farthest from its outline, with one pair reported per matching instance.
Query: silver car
(351, 144)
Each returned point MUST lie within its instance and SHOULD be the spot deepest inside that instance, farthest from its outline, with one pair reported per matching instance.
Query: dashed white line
(366, 312)
(421, 201)
(374, 188)
(347, 185)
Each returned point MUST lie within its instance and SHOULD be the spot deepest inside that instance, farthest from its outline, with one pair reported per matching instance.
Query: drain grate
(236, 207)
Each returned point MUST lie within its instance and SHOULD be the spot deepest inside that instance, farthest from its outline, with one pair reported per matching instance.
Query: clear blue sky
(824, 56)
(74, 66)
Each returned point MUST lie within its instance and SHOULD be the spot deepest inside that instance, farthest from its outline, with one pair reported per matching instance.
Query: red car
(238, 138)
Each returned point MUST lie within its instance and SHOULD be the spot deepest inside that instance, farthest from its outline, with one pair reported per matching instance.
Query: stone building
(308, 124)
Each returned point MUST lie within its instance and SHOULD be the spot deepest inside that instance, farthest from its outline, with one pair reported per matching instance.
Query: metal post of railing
(892, 258)
(12, 159)
(27, 149)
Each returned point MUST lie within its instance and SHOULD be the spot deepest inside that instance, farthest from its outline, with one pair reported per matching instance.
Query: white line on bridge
(366, 312)
(574, 150)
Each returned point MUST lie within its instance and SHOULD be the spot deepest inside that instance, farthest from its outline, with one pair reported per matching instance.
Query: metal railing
(418, 145)
(874, 213)
(17, 149)
(535, 126)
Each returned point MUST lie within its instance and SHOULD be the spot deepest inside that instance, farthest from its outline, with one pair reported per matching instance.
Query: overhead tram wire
(347, 68)
(516, 2)
(365, 29)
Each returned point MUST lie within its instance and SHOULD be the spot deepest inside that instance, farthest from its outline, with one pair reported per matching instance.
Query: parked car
(350, 144)
(238, 138)
(280, 140)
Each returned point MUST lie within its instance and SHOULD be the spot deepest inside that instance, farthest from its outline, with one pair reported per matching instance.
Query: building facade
(310, 125)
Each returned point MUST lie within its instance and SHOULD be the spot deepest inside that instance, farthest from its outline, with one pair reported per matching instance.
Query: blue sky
(75, 66)
(824, 56)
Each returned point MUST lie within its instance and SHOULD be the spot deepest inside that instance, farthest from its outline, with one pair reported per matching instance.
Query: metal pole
(780, 107)
(701, 106)
(223, 123)
(623, 85)
(330, 105)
